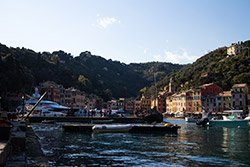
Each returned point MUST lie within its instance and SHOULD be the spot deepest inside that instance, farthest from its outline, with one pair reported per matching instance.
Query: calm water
(192, 146)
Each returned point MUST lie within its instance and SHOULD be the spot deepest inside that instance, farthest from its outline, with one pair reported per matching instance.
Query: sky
(130, 31)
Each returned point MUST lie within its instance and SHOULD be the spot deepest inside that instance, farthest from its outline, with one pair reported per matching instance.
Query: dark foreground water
(192, 146)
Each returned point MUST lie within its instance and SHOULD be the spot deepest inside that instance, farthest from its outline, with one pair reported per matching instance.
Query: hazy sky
(177, 31)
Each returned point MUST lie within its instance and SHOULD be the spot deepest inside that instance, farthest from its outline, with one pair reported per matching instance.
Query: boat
(111, 128)
(47, 112)
(44, 108)
(232, 119)
(191, 119)
(157, 128)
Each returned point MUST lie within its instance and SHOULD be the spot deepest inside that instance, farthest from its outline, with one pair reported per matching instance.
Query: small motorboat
(111, 128)
(232, 119)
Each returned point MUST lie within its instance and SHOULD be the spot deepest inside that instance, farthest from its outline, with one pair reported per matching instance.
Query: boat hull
(229, 123)
(191, 120)
(111, 128)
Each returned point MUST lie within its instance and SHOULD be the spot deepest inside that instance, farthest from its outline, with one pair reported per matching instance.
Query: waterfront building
(129, 105)
(171, 104)
(137, 105)
(121, 103)
(239, 96)
(196, 101)
(189, 102)
(209, 92)
(91, 103)
(54, 91)
(224, 101)
(75, 98)
(180, 103)
(145, 103)
(160, 101)
(112, 105)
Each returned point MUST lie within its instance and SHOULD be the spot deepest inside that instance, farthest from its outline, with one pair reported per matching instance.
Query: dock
(21, 147)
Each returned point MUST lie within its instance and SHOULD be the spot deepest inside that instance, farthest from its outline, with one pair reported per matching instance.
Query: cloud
(181, 57)
(157, 57)
(105, 22)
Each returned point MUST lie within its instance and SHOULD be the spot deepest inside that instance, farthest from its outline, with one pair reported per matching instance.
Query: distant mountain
(216, 67)
(21, 69)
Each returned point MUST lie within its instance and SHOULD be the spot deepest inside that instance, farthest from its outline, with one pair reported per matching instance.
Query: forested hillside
(21, 69)
(216, 67)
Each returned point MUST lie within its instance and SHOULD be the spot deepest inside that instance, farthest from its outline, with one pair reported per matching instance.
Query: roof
(205, 85)
(225, 93)
(240, 85)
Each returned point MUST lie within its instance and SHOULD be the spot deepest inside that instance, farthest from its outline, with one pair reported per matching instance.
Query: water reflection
(193, 146)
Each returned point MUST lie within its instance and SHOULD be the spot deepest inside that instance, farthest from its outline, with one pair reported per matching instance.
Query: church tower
(171, 86)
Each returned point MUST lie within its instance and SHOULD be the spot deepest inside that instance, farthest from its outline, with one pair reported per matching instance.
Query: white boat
(112, 128)
(44, 108)
(191, 119)
(47, 112)
(232, 119)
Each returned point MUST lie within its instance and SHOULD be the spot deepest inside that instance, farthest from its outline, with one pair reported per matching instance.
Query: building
(171, 104)
(112, 105)
(137, 105)
(75, 98)
(234, 49)
(121, 103)
(208, 93)
(129, 105)
(145, 103)
(239, 96)
(224, 101)
(55, 92)
(91, 103)
(189, 102)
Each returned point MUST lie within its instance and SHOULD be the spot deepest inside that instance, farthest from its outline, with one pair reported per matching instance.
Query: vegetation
(21, 69)
(216, 67)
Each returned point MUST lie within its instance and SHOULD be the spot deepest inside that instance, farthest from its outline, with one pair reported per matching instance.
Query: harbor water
(192, 146)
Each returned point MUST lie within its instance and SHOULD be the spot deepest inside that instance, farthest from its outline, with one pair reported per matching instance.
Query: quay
(21, 148)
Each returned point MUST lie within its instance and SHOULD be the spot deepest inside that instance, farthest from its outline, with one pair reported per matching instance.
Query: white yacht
(44, 108)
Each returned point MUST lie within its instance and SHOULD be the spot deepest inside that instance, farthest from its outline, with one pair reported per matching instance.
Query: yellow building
(196, 102)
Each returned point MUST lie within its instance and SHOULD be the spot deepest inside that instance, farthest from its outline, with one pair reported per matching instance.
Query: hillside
(215, 67)
(21, 69)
